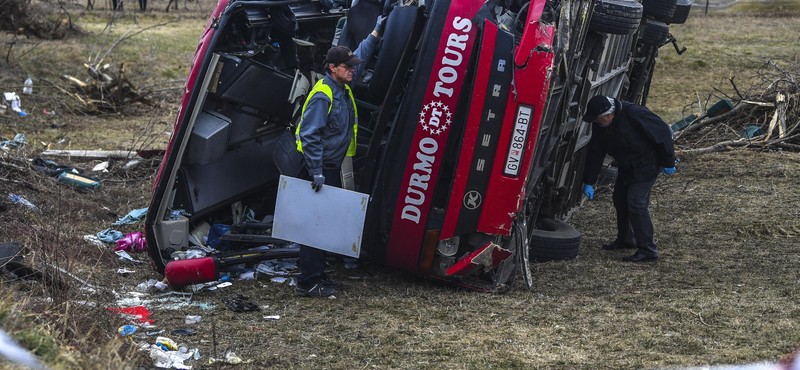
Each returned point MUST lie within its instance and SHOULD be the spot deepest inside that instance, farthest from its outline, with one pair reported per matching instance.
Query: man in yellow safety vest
(325, 135)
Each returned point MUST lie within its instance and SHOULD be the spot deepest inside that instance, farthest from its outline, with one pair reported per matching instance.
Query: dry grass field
(725, 290)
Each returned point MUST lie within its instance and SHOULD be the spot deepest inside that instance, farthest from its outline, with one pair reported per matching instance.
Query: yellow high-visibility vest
(325, 89)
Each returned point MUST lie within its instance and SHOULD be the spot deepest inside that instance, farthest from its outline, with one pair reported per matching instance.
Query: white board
(331, 219)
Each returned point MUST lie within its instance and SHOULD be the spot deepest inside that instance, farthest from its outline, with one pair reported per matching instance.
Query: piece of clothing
(637, 139)
(631, 201)
(328, 126)
(109, 235)
(312, 260)
(131, 218)
(51, 168)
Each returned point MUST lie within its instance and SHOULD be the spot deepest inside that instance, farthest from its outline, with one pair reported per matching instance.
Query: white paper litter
(169, 359)
(94, 240)
(126, 257)
(101, 167)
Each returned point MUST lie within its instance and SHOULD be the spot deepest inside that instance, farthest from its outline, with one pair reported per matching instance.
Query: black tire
(398, 30)
(556, 240)
(681, 14)
(660, 10)
(618, 17)
(655, 32)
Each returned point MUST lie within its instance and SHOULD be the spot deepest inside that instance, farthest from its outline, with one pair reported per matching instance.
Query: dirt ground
(724, 291)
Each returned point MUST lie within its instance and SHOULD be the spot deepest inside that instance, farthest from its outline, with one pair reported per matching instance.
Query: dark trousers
(631, 200)
(312, 260)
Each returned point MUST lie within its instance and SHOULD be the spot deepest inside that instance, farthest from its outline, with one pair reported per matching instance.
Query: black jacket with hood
(639, 140)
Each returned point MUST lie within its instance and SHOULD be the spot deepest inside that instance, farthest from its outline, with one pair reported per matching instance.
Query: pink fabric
(132, 242)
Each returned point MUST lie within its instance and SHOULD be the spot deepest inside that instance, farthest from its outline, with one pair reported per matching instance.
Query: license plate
(516, 150)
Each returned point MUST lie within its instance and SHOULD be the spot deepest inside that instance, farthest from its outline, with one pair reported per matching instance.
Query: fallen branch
(718, 147)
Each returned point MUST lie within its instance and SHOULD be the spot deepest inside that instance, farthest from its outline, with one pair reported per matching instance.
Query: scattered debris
(240, 303)
(184, 332)
(138, 313)
(132, 242)
(191, 319)
(166, 344)
(109, 235)
(22, 201)
(272, 317)
(101, 167)
(131, 218)
(169, 359)
(50, 167)
(147, 285)
(230, 358)
(126, 257)
(126, 331)
(93, 239)
(79, 180)
(124, 271)
(187, 254)
(277, 267)
(223, 285)
(12, 99)
(199, 235)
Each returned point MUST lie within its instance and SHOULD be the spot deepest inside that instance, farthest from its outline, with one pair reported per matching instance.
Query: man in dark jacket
(325, 135)
(641, 143)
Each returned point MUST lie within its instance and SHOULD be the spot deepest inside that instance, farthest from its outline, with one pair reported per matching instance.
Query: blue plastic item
(216, 232)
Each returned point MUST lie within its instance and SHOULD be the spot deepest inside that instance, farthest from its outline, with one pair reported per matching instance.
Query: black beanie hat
(596, 106)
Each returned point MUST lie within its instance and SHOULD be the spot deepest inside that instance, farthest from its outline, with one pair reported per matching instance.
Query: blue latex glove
(379, 24)
(588, 190)
(316, 184)
(669, 171)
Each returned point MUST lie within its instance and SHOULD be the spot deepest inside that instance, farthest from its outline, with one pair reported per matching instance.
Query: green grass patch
(771, 8)
(718, 48)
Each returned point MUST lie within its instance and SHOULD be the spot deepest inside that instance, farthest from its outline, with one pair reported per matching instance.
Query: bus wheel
(555, 240)
(618, 17)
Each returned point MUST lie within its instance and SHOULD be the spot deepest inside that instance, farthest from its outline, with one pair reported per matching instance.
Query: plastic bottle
(28, 88)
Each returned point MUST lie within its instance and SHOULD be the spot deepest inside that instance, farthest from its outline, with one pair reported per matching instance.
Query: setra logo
(472, 199)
